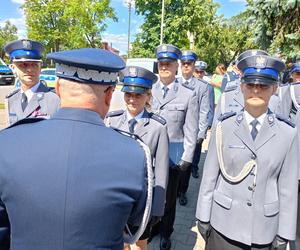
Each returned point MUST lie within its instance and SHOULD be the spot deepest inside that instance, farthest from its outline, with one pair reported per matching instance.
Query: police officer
(177, 104)
(248, 193)
(188, 60)
(231, 76)
(79, 189)
(291, 94)
(200, 67)
(150, 127)
(232, 99)
(33, 99)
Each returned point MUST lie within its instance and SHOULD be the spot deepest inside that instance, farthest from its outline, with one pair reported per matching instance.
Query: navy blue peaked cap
(200, 65)
(95, 66)
(295, 67)
(24, 50)
(137, 79)
(167, 52)
(261, 69)
(188, 56)
(251, 52)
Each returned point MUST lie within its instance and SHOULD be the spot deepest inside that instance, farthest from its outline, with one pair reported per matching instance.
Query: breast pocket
(176, 112)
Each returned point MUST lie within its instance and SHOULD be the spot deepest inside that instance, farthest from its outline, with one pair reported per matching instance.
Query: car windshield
(48, 72)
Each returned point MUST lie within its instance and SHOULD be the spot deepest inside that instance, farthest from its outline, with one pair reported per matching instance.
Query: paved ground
(185, 235)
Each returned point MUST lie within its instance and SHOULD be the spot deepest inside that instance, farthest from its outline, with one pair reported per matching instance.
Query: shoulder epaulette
(158, 118)
(283, 119)
(201, 80)
(26, 121)
(225, 116)
(12, 93)
(187, 86)
(115, 113)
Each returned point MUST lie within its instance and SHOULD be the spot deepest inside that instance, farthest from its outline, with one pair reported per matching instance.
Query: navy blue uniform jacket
(69, 183)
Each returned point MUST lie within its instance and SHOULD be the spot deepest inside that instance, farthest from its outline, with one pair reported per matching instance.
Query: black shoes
(182, 199)
(165, 243)
(195, 173)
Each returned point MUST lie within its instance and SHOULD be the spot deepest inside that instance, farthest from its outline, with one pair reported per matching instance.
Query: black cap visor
(134, 89)
(259, 79)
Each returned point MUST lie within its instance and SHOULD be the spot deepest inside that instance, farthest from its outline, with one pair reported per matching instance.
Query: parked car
(48, 77)
(6, 74)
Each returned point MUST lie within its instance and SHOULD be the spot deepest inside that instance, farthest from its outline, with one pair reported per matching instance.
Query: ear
(275, 88)
(108, 96)
(242, 87)
(57, 86)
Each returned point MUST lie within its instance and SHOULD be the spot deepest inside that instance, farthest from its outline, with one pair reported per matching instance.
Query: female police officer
(151, 128)
(248, 194)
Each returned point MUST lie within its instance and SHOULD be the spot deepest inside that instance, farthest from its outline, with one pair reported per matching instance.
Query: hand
(183, 165)
(154, 220)
(279, 243)
(204, 229)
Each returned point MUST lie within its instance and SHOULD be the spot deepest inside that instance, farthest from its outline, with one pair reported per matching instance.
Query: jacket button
(253, 157)
(250, 188)
(249, 204)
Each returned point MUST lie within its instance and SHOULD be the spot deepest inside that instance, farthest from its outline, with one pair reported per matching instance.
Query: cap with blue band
(167, 52)
(136, 79)
(260, 69)
(295, 67)
(24, 50)
(188, 56)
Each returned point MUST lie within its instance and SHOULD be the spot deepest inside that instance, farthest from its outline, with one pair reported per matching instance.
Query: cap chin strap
(246, 169)
(128, 236)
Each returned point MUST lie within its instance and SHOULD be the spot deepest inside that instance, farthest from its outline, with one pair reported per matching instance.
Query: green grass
(2, 106)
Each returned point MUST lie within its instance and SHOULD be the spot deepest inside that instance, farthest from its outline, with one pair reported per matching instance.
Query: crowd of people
(75, 176)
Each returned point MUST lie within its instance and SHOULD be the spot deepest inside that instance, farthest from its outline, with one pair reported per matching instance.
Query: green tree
(276, 25)
(7, 33)
(67, 24)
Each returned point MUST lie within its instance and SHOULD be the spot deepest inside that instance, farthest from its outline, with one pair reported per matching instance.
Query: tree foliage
(67, 24)
(7, 33)
(276, 25)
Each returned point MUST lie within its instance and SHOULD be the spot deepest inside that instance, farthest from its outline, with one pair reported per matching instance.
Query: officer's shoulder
(285, 120)
(26, 121)
(188, 86)
(127, 134)
(12, 93)
(115, 113)
(158, 118)
(226, 115)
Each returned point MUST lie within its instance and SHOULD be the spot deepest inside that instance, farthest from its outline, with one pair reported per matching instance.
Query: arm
(4, 228)
(161, 164)
(203, 111)
(211, 173)
(190, 129)
(288, 191)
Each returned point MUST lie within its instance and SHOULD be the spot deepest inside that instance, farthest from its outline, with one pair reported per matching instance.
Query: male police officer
(177, 104)
(232, 99)
(188, 60)
(78, 189)
(33, 99)
(291, 95)
(249, 187)
(199, 73)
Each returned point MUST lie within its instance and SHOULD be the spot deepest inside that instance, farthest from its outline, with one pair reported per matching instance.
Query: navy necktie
(165, 89)
(254, 130)
(131, 124)
(24, 101)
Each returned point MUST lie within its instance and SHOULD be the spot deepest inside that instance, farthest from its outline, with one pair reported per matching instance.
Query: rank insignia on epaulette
(239, 118)
(270, 119)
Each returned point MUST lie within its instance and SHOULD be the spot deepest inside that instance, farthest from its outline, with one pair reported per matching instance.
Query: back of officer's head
(86, 78)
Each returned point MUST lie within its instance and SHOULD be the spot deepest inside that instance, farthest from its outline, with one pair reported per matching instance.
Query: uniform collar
(78, 114)
(30, 92)
(249, 118)
(138, 117)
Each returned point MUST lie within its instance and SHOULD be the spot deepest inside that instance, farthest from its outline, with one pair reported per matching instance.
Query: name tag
(237, 146)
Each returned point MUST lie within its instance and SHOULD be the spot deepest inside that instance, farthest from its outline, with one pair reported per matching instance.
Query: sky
(116, 32)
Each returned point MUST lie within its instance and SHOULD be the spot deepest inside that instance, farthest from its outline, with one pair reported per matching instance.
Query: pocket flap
(222, 199)
(176, 107)
(271, 209)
